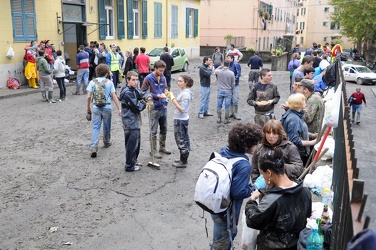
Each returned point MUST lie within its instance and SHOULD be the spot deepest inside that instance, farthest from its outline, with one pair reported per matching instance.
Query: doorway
(74, 36)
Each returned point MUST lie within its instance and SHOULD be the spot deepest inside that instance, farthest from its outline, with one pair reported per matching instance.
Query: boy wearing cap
(112, 60)
(314, 110)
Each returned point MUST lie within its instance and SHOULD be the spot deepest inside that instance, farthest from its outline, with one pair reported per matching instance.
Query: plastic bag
(10, 53)
(332, 108)
(249, 235)
(13, 83)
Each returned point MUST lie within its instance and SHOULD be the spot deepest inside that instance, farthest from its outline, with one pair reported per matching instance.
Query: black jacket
(280, 216)
(132, 103)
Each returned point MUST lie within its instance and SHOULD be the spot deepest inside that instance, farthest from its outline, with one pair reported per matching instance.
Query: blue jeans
(167, 74)
(356, 108)
(181, 135)
(224, 96)
(158, 117)
(141, 77)
(63, 90)
(82, 74)
(115, 78)
(98, 115)
(204, 100)
(235, 96)
(220, 233)
(132, 139)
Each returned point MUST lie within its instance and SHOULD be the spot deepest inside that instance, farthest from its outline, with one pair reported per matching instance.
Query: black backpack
(330, 75)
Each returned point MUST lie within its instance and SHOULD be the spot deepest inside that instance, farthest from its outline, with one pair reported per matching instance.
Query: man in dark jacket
(132, 103)
(155, 84)
(206, 70)
(167, 58)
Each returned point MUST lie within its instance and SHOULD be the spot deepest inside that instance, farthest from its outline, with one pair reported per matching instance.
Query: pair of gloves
(169, 95)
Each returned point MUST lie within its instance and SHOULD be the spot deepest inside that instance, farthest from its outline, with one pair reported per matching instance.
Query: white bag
(10, 53)
(249, 235)
(332, 108)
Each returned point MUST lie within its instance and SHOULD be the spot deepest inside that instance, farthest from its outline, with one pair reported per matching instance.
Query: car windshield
(363, 70)
(156, 52)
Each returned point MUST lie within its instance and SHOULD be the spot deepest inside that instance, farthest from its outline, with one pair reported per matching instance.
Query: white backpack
(212, 191)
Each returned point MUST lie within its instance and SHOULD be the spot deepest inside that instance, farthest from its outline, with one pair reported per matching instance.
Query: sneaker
(358, 123)
(76, 93)
(93, 153)
(207, 114)
(136, 168)
(107, 145)
(138, 164)
(201, 116)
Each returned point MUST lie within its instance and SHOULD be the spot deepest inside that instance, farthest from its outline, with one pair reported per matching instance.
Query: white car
(359, 74)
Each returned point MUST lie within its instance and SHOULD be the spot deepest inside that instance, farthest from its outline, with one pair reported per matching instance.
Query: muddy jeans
(181, 135)
(220, 235)
(261, 119)
(132, 139)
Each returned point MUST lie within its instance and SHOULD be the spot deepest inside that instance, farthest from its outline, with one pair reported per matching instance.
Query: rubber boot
(183, 161)
(236, 117)
(231, 114)
(32, 83)
(154, 148)
(162, 145)
(219, 113)
(44, 96)
(227, 117)
(50, 95)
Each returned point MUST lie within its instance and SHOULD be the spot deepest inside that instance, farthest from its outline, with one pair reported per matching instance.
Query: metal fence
(349, 199)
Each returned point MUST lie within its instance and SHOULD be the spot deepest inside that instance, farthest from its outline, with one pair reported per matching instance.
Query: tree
(356, 19)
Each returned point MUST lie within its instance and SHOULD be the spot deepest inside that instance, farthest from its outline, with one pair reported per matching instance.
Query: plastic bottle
(314, 241)
(325, 196)
(325, 216)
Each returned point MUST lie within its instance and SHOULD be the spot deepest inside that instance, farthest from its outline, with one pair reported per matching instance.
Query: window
(109, 8)
(334, 26)
(297, 13)
(191, 22)
(293, 19)
(325, 24)
(174, 21)
(325, 38)
(302, 25)
(157, 20)
(326, 9)
(303, 11)
(23, 20)
(137, 13)
(266, 10)
(301, 40)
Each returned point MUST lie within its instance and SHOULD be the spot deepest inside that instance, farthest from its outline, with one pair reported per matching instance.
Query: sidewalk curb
(373, 91)
(25, 90)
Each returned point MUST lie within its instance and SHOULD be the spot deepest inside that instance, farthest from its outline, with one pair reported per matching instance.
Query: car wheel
(359, 81)
(185, 67)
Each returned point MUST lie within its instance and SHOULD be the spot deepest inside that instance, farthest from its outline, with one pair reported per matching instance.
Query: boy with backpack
(101, 90)
(242, 140)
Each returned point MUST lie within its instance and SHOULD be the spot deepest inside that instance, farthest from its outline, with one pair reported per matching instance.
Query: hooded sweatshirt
(184, 99)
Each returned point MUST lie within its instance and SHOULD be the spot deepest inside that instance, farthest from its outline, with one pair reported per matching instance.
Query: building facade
(314, 24)
(252, 23)
(69, 23)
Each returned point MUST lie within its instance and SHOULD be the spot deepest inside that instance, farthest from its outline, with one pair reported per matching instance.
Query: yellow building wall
(47, 28)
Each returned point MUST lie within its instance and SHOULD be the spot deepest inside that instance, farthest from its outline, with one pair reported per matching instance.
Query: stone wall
(279, 63)
(209, 50)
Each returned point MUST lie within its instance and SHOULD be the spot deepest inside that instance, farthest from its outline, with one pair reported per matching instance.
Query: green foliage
(277, 52)
(229, 37)
(356, 18)
(250, 49)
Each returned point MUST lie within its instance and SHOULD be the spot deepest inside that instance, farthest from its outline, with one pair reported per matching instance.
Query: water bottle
(326, 196)
(314, 241)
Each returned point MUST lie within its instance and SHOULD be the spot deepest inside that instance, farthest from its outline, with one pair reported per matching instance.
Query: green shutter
(195, 26)
(130, 18)
(157, 20)
(187, 11)
(102, 20)
(23, 20)
(121, 27)
(144, 19)
(174, 23)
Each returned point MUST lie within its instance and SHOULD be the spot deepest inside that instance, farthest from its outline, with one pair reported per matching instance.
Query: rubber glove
(169, 95)
(260, 182)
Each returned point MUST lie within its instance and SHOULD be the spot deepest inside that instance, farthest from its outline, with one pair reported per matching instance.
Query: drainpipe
(167, 16)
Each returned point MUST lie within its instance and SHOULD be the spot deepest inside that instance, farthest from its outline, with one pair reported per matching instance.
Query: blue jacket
(241, 172)
(235, 67)
(132, 103)
(296, 130)
(151, 84)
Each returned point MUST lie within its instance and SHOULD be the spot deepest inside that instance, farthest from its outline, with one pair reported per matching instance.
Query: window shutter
(195, 26)
(144, 19)
(130, 18)
(174, 23)
(157, 20)
(23, 20)
(187, 21)
(121, 27)
(102, 20)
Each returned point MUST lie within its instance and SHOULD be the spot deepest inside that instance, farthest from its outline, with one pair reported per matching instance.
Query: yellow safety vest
(114, 66)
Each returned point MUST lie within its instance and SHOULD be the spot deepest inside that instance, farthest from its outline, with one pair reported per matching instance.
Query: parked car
(359, 74)
(181, 61)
